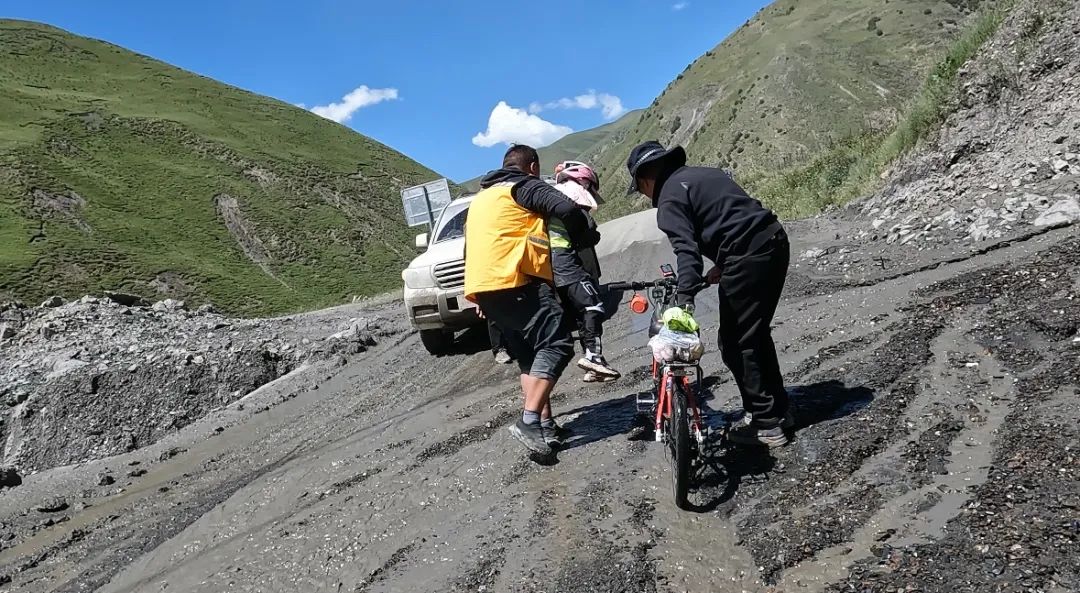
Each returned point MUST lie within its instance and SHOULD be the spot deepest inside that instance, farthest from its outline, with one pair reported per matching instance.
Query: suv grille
(450, 274)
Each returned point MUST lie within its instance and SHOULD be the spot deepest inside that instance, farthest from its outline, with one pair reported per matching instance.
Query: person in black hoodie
(704, 213)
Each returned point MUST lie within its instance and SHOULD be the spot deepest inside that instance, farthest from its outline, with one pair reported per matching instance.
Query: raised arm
(536, 195)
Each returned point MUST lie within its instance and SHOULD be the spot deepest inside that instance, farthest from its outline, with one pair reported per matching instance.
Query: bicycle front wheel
(678, 426)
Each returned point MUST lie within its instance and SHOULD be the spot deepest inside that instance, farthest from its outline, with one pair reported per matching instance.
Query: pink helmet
(579, 172)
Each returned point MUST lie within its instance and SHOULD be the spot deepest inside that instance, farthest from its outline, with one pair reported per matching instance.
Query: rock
(1063, 212)
(814, 253)
(169, 305)
(9, 478)
(104, 479)
(206, 309)
(53, 302)
(1060, 139)
(357, 333)
(170, 453)
(1037, 201)
(1060, 165)
(17, 398)
(64, 366)
(127, 300)
(198, 359)
(89, 300)
(6, 331)
(53, 504)
(136, 473)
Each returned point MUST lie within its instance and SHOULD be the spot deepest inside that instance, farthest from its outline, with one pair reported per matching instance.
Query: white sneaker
(597, 364)
(595, 377)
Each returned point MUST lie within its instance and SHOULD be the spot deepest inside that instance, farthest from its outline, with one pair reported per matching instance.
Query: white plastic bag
(674, 346)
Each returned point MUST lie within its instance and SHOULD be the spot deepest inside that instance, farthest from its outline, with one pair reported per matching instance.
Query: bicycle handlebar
(638, 285)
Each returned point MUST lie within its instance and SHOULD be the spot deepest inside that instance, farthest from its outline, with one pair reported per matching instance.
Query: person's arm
(536, 195)
(674, 217)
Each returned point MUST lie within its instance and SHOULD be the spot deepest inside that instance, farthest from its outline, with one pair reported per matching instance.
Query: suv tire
(437, 341)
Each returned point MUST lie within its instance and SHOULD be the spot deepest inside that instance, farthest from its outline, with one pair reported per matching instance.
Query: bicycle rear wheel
(678, 427)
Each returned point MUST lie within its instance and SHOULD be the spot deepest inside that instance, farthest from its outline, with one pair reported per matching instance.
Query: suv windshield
(451, 223)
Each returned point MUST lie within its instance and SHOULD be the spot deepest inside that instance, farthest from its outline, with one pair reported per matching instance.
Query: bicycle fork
(664, 405)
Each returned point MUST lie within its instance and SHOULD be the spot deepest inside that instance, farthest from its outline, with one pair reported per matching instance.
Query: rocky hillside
(1006, 161)
(118, 171)
(797, 78)
(101, 376)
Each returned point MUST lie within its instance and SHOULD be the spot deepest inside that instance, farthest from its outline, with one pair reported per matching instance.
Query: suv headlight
(418, 277)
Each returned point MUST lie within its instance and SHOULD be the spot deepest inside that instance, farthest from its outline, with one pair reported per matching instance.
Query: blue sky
(428, 77)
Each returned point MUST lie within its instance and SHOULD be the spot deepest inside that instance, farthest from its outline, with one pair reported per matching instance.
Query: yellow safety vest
(505, 245)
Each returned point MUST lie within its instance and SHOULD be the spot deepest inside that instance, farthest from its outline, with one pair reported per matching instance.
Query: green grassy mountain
(120, 172)
(798, 78)
(585, 145)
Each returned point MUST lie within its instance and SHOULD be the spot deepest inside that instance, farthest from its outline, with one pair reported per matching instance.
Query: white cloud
(358, 98)
(679, 5)
(510, 125)
(610, 106)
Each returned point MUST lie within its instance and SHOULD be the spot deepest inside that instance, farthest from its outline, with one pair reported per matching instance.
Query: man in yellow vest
(508, 275)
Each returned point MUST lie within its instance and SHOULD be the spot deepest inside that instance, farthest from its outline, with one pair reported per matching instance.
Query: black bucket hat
(649, 152)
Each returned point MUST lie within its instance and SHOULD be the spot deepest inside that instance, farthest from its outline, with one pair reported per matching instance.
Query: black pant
(532, 323)
(495, 337)
(582, 303)
(749, 292)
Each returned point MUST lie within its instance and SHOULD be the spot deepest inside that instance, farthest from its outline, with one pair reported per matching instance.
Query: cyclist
(577, 270)
(508, 275)
(704, 212)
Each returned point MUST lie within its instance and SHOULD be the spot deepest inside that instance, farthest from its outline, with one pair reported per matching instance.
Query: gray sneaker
(532, 436)
(758, 437)
(787, 423)
(556, 435)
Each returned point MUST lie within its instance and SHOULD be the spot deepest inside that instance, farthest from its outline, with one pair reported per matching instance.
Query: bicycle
(673, 401)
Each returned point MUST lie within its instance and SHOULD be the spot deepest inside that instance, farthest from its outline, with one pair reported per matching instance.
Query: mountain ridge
(790, 83)
(124, 172)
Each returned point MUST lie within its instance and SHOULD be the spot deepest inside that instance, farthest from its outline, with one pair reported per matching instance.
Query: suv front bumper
(437, 308)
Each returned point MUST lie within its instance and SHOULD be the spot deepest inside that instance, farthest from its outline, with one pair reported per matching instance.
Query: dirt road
(936, 450)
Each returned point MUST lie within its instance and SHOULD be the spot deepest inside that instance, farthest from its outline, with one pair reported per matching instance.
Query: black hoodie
(534, 194)
(705, 213)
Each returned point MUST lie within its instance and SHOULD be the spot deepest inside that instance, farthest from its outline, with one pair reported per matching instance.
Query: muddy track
(924, 402)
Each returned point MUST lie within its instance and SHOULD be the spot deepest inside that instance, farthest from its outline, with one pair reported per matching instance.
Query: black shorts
(537, 333)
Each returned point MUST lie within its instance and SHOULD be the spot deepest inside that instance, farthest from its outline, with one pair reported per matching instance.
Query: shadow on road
(827, 400)
(469, 342)
(600, 421)
(723, 467)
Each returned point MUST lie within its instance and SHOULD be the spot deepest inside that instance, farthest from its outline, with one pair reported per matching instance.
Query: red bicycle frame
(667, 378)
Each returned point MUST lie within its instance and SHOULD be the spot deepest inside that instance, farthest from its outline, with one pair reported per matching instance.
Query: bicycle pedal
(646, 402)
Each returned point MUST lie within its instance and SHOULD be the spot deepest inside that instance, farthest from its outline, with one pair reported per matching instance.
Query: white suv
(435, 281)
